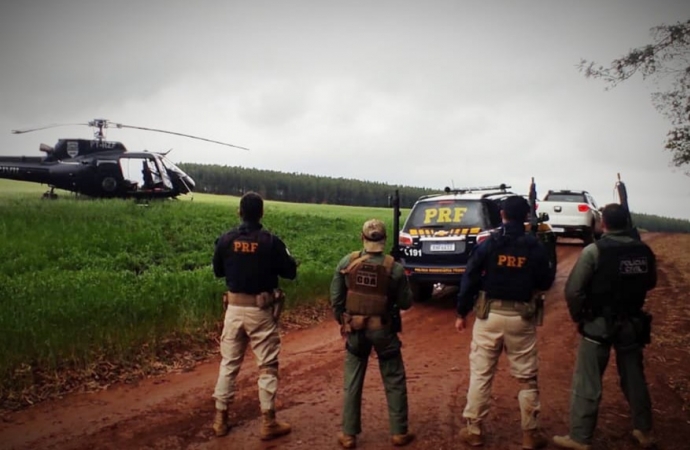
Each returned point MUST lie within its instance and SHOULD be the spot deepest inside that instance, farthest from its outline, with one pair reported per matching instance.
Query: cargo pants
(358, 348)
(248, 325)
(502, 331)
(591, 363)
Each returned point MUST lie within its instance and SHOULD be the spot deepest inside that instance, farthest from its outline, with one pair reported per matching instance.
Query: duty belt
(237, 299)
(505, 307)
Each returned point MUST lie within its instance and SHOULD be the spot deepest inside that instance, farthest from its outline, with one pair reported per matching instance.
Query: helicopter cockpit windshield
(150, 175)
(172, 167)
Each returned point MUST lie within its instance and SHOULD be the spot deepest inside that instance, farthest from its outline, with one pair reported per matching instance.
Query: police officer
(251, 259)
(503, 276)
(605, 292)
(367, 289)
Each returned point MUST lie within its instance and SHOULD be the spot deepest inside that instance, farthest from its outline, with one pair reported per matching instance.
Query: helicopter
(100, 168)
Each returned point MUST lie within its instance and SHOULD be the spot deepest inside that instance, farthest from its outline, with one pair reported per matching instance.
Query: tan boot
(271, 428)
(220, 422)
(347, 440)
(402, 439)
(568, 442)
(644, 439)
(533, 439)
(474, 440)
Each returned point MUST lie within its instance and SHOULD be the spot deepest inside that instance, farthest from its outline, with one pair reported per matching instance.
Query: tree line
(298, 187)
(651, 222)
(304, 188)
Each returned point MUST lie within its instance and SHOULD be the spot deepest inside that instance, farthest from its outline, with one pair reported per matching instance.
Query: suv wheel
(421, 292)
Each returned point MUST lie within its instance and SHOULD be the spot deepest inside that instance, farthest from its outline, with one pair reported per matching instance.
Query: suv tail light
(481, 237)
(582, 207)
(404, 239)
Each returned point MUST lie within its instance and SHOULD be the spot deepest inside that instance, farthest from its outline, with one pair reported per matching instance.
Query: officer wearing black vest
(251, 259)
(606, 292)
(504, 276)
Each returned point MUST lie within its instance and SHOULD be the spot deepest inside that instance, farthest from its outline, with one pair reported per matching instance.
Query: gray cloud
(418, 93)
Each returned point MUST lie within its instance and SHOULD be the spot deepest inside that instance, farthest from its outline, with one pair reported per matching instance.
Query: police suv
(442, 229)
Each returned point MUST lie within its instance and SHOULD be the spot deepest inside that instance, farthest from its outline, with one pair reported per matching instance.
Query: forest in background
(306, 188)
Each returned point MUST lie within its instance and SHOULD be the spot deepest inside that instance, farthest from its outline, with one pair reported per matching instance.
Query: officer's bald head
(251, 207)
(515, 209)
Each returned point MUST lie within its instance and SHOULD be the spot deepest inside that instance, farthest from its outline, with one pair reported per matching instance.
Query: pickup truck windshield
(575, 198)
(446, 215)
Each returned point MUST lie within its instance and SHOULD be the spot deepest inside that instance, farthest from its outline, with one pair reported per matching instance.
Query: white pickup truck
(572, 214)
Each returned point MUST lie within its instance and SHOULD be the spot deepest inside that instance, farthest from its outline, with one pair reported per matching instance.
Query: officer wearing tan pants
(503, 274)
(251, 259)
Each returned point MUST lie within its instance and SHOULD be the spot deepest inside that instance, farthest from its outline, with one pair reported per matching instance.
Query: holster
(538, 299)
(642, 324)
(396, 321)
(278, 303)
(482, 306)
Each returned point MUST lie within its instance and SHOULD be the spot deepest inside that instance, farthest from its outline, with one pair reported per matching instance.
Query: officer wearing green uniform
(366, 289)
(606, 292)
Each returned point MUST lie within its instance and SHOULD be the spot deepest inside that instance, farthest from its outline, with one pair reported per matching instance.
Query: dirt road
(175, 411)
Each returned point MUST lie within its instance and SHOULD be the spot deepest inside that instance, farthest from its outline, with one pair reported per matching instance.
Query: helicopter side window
(142, 172)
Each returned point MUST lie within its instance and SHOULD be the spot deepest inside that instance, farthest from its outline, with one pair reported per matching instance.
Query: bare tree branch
(668, 57)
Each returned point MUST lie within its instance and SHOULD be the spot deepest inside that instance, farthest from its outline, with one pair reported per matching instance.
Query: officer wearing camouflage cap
(503, 276)
(366, 287)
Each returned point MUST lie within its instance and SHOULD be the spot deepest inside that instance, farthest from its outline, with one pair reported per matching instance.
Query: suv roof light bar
(500, 187)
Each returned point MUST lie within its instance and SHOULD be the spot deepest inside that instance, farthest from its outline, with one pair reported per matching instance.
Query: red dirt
(175, 411)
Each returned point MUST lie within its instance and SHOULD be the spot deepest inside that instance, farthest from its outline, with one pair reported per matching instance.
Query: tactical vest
(509, 274)
(248, 261)
(367, 285)
(619, 286)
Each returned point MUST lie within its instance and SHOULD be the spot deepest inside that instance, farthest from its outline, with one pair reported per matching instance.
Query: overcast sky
(422, 93)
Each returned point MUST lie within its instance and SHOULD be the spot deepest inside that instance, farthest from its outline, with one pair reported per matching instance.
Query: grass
(671, 326)
(87, 283)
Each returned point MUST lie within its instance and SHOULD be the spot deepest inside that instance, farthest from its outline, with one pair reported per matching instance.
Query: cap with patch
(374, 234)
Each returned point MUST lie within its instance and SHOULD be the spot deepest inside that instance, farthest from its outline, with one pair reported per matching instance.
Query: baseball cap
(374, 234)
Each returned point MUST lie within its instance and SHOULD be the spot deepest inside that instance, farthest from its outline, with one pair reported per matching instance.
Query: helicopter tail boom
(24, 168)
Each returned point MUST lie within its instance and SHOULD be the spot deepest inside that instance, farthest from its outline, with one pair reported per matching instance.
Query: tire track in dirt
(175, 411)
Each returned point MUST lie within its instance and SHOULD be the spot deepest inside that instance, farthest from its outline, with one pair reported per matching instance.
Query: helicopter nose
(191, 184)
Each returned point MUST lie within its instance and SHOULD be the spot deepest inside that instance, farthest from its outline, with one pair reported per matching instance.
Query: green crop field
(91, 282)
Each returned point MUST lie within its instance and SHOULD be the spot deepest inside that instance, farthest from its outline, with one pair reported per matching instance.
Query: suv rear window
(446, 214)
(576, 198)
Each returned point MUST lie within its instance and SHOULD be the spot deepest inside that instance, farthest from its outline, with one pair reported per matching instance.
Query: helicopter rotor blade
(119, 125)
(28, 130)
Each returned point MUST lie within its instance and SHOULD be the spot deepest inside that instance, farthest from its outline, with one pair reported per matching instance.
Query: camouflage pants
(490, 338)
(387, 346)
(592, 359)
(248, 325)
